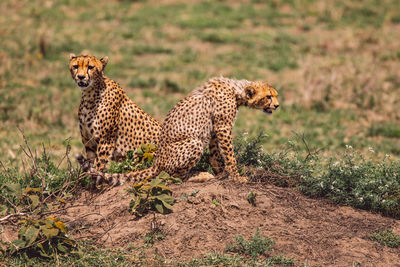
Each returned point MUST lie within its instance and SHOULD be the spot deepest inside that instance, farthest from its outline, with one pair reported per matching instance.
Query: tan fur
(110, 123)
(205, 118)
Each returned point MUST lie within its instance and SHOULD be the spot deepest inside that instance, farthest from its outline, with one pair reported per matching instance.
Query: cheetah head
(84, 69)
(260, 95)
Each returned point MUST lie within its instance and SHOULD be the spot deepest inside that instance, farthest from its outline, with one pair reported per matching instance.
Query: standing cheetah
(205, 118)
(110, 123)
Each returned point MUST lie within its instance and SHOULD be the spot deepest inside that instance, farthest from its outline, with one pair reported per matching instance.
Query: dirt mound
(208, 215)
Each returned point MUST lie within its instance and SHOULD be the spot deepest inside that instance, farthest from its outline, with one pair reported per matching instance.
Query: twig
(303, 140)
(82, 175)
(33, 158)
(9, 202)
(61, 209)
(67, 150)
(5, 218)
(106, 230)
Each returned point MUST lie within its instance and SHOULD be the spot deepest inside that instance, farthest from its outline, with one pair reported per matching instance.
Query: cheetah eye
(75, 66)
(269, 97)
(90, 67)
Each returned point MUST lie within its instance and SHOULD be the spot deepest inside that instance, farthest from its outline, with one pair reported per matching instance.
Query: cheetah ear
(104, 61)
(72, 56)
(250, 92)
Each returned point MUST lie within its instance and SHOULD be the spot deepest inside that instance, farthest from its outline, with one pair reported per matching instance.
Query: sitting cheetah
(110, 123)
(205, 117)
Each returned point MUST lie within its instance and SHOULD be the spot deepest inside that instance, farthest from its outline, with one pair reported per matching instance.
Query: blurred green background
(336, 65)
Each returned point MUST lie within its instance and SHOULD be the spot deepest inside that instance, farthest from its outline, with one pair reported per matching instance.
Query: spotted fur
(205, 118)
(110, 123)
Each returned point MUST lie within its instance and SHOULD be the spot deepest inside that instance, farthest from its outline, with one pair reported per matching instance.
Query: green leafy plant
(43, 237)
(362, 183)
(285, 168)
(255, 247)
(156, 232)
(139, 159)
(186, 196)
(387, 238)
(154, 195)
(215, 202)
(251, 198)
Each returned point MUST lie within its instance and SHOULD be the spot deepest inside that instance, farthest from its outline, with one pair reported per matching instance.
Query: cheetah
(110, 123)
(205, 118)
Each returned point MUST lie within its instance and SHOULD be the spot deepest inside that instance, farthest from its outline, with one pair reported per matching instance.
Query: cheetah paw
(241, 179)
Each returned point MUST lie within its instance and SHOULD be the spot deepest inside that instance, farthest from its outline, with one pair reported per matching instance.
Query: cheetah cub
(205, 118)
(110, 123)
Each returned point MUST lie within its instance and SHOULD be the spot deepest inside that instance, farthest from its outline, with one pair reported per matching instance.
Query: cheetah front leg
(224, 138)
(86, 163)
(105, 149)
(216, 160)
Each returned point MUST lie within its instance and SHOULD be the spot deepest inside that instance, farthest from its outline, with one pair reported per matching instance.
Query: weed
(215, 202)
(44, 237)
(245, 253)
(251, 198)
(356, 181)
(155, 234)
(277, 168)
(255, 247)
(386, 237)
(139, 159)
(191, 195)
(154, 195)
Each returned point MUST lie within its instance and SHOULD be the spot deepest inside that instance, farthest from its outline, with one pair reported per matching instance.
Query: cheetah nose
(81, 77)
(276, 106)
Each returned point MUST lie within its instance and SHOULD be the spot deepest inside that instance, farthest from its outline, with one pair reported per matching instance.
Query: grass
(305, 50)
(387, 238)
(252, 252)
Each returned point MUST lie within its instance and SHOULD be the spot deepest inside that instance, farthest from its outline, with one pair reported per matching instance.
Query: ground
(312, 231)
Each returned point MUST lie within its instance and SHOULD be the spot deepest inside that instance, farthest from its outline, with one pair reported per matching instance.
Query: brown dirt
(312, 231)
(309, 230)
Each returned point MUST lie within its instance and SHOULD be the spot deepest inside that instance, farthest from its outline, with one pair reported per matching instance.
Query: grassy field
(335, 64)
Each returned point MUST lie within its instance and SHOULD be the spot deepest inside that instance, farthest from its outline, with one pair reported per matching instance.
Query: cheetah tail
(141, 175)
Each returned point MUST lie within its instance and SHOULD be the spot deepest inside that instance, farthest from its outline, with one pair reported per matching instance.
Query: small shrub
(286, 168)
(152, 196)
(191, 195)
(154, 235)
(43, 237)
(255, 247)
(251, 198)
(141, 158)
(387, 238)
(42, 182)
(358, 182)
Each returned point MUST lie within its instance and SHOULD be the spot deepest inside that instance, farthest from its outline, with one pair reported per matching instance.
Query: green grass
(170, 49)
(385, 129)
(387, 238)
(242, 252)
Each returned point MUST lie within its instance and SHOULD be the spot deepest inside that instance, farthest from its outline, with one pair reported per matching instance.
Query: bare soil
(312, 231)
